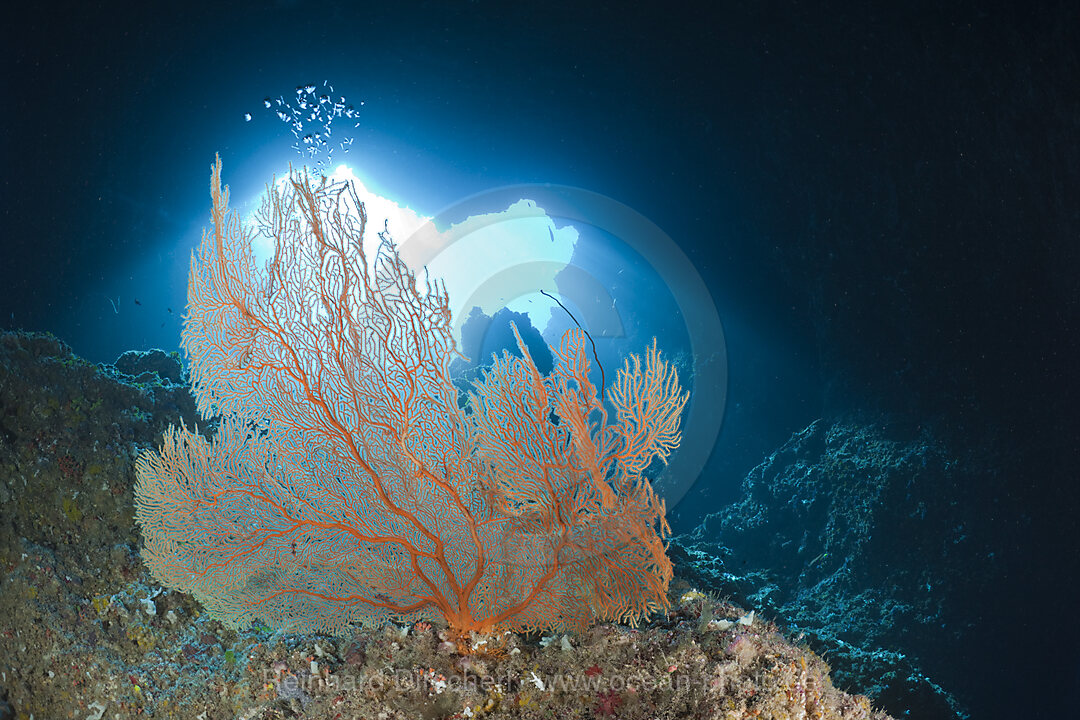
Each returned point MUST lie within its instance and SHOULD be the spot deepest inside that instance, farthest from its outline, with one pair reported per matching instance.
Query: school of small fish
(310, 117)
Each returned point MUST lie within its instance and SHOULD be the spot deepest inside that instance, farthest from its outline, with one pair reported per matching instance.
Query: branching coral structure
(346, 484)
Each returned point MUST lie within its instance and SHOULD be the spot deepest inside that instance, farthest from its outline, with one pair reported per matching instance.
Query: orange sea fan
(347, 485)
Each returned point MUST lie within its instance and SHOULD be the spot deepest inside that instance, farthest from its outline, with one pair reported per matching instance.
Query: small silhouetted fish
(170, 310)
(137, 301)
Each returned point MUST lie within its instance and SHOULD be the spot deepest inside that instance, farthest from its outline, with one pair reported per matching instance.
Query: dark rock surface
(868, 539)
(141, 365)
(69, 435)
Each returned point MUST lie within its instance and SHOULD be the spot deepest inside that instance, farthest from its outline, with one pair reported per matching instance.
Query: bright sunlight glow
(495, 260)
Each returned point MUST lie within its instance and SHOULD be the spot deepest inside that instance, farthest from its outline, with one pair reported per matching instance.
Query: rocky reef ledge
(86, 634)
